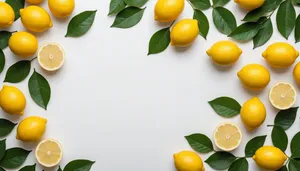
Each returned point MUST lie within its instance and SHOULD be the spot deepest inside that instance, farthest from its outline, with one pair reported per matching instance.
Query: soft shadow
(163, 24)
(279, 70)
(28, 146)
(13, 118)
(251, 92)
(220, 67)
(181, 49)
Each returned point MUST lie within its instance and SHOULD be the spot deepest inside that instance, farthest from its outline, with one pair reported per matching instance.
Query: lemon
(253, 113)
(227, 136)
(249, 4)
(51, 56)
(224, 52)
(7, 15)
(23, 44)
(49, 152)
(31, 129)
(269, 157)
(282, 96)
(34, 2)
(296, 73)
(280, 55)
(188, 161)
(254, 76)
(35, 19)
(12, 100)
(61, 8)
(168, 10)
(184, 33)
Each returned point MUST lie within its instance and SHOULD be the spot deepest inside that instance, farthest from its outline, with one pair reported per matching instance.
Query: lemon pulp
(49, 153)
(227, 136)
(282, 96)
(51, 56)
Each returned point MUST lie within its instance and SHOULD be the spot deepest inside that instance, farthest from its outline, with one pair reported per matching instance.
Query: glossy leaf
(128, 17)
(200, 143)
(294, 165)
(200, 4)
(239, 165)
(283, 168)
(14, 158)
(220, 160)
(297, 29)
(279, 138)
(264, 34)
(116, 6)
(136, 3)
(159, 41)
(285, 18)
(2, 148)
(16, 5)
(295, 148)
(245, 32)
(286, 118)
(6, 127)
(225, 106)
(2, 60)
(254, 144)
(219, 3)
(76, 165)
(18, 72)
(4, 37)
(224, 20)
(28, 168)
(203, 23)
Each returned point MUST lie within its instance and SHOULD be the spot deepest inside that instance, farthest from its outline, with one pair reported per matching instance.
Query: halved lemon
(227, 136)
(51, 56)
(282, 96)
(49, 152)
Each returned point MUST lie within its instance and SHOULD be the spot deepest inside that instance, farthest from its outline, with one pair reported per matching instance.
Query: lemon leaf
(6, 127)
(264, 34)
(295, 148)
(219, 3)
(286, 118)
(294, 165)
(136, 3)
(245, 32)
(2, 60)
(18, 72)
(225, 106)
(2, 148)
(13, 158)
(254, 144)
(220, 160)
(200, 143)
(279, 138)
(128, 17)
(159, 41)
(224, 20)
(16, 5)
(28, 168)
(283, 168)
(203, 23)
(285, 18)
(200, 4)
(297, 29)
(116, 6)
(239, 165)
(1, 169)
(76, 165)
(4, 38)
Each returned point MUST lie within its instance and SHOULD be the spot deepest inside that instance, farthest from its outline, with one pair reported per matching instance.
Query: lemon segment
(168, 10)
(188, 161)
(7, 15)
(227, 136)
(51, 56)
(49, 152)
(282, 96)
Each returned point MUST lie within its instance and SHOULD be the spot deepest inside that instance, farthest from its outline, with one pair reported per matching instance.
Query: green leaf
(225, 106)
(128, 17)
(59, 169)
(1, 169)
(6, 127)
(81, 23)
(2, 148)
(18, 72)
(245, 32)
(79, 165)
(254, 144)
(264, 34)
(203, 23)
(294, 165)
(200, 4)
(16, 5)
(159, 41)
(200, 143)
(220, 160)
(239, 165)
(286, 118)
(116, 6)
(279, 138)
(136, 3)
(224, 20)
(2, 60)
(4, 38)
(297, 29)
(28, 168)
(219, 3)
(14, 158)
(285, 18)
(39, 90)
(283, 168)
(295, 148)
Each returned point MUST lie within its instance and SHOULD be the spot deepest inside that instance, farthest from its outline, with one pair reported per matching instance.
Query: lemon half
(227, 136)
(282, 96)
(51, 56)
(49, 152)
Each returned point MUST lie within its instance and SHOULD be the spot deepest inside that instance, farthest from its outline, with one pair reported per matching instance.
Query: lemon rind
(41, 64)
(272, 101)
(38, 146)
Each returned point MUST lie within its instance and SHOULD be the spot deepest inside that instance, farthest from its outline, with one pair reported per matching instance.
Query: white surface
(128, 111)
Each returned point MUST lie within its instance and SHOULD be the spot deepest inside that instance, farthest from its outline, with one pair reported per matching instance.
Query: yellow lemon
(282, 96)
(280, 55)
(61, 8)
(35, 19)
(12, 100)
(188, 161)
(227, 136)
(253, 113)
(269, 157)
(31, 129)
(249, 4)
(49, 152)
(23, 44)
(34, 2)
(184, 33)
(7, 15)
(168, 10)
(296, 73)
(51, 56)
(224, 52)
(254, 76)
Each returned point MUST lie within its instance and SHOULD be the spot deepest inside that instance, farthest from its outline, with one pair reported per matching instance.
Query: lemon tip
(264, 54)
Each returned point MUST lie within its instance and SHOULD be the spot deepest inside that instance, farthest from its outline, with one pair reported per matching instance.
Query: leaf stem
(271, 13)
(191, 4)
(270, 125)
(33, 59)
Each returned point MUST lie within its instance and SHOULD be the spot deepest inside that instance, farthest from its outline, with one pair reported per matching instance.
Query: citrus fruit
(23, 44)
(282, 96)
(224, 52)
(7, 15)
(49, 152)
(12, 100)
(51, 56)
(188, 161)
(249, 4)
(34, 2)
(35, 19)
(227, 136)
(61, 8)
(269, 157)
(168, 10)
(253, 113)
(296, 73)
(254, 76)
(280, 55)
(31, 129)
(184, 33)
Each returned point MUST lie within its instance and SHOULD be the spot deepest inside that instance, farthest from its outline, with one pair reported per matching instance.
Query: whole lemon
(184, 33)
(31, 129)
(35, 19)
(249, 4)
(34, 2)
(12, 100)
(254, 76)
(253, 113)
(168, 10)
(224, 52)
(188, 161)
(280, 55)
(7, 15)
(296, 73)
(61, 8)
(269, 157)
(23, 44)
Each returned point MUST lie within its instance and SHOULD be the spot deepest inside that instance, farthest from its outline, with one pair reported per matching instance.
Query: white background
(128, 111)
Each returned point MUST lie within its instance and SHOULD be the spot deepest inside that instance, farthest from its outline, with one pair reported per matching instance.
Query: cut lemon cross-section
(49, 153)
(282, 96)
(51, 56)
(227, 136)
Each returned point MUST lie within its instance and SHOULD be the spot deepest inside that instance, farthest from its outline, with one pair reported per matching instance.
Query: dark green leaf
(14, 158)
(264, 34)
(245, 32)
(2, 148)
(18, 72)
(6, 127)
(224, 20)
(28, 168)
(294, 165)
(39, 89)
(59, 169)
(220, 160)
(81, 23)
(219, 3)
(297, 29)
(159, 41)
(285, 18)
(295, 147)
(79, 165)
(136, 3)
(225, 106)
(201, 4)
(4, 37)
(116, 6)
(279, 138)
(203, 23)
(283, 168)
(1, 169)
(200, 143)
(128, 17)
(286, 118)
(2, 60)
(254, 144)
(16, 5)
(239, 165)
